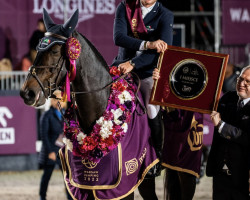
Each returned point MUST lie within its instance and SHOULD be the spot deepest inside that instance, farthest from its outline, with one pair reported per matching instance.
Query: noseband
(51, 86)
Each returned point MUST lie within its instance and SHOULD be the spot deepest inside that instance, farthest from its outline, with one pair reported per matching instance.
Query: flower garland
(109, 129)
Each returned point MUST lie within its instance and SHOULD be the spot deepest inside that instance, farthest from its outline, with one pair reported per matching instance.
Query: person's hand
(156, 74)
(52, 156)
(158, 45)
(215, 117)
(125, 67)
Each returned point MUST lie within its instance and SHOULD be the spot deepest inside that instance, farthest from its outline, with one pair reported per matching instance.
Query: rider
(142, 29)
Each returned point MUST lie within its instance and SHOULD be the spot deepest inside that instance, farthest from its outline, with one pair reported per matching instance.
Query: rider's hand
(125, 67)
(156, 74)
(158, 45)
(52, 156)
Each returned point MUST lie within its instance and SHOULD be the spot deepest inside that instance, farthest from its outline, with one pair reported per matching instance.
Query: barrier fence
(12, 80)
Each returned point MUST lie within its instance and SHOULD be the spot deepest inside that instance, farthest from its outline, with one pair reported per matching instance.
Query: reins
(32, 71)
(100, 89)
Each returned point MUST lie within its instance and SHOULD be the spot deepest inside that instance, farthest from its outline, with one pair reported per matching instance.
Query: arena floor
(25, 186)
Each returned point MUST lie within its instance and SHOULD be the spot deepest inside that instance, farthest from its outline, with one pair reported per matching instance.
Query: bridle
(51, 86)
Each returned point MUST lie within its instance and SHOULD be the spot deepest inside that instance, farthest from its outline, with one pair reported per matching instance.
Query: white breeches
(146, 88)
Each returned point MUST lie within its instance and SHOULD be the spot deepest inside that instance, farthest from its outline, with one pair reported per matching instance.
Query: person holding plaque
(228, 161)
(182, 150)
(142, 29)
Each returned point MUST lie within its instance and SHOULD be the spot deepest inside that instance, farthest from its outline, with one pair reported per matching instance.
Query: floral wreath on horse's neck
(111, 127)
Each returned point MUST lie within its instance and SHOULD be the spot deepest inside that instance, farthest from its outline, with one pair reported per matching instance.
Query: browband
(47, 34)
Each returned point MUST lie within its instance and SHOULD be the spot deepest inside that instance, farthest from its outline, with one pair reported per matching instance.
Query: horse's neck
(91, 75)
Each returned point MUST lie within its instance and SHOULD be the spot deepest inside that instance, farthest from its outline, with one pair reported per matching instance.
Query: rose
(115, 71)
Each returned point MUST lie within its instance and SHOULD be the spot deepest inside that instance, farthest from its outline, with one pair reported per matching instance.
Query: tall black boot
(157, 132)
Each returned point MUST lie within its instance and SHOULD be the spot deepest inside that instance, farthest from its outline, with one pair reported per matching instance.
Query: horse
(117, 174)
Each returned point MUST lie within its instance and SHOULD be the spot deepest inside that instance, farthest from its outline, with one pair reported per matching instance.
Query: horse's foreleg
(90, 195)
(147, 189)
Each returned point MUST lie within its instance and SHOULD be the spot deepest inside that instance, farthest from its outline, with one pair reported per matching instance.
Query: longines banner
(235, 21)
(18, 20)
(18, 126)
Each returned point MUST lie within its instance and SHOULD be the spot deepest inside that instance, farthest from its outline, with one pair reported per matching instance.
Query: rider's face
(148, 3)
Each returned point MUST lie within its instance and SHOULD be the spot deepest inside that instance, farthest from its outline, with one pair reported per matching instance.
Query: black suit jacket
(231, 145)
(50, 129)
(159, 24)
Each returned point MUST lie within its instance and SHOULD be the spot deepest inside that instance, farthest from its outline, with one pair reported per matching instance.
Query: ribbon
(134, 14)
(73, 50)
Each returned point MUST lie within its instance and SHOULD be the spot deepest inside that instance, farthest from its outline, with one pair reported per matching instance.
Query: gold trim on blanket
(181, 169)
(100, 187)
(65, 173)
(133, 188)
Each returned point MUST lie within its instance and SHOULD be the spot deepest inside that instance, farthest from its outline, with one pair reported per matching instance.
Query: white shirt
(145, 11)
(245, 101)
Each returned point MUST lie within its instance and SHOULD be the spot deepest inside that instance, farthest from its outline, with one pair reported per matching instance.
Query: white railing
(12, 80)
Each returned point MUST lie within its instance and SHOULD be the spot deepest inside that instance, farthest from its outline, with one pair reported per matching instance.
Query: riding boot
(157, 132)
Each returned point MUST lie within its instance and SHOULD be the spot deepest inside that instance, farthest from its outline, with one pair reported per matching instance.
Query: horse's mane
(103, 61)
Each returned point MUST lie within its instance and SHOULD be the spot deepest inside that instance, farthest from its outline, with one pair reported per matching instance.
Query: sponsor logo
(87, 8)
(7, 134)
(46, 42)
(195, 136)
(239, 15)
(89, 164)
(149, 28)
(131, 166)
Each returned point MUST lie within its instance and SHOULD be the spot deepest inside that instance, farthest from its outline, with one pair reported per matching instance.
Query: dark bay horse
(122, 170)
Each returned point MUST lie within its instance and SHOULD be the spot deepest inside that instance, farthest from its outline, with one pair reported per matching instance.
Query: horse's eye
(54, 52)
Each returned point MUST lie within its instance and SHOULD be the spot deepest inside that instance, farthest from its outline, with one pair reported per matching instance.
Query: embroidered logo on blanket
(131, 166)
(89, 164)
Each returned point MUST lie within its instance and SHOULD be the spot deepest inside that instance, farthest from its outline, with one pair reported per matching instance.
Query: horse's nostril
(27, 94)
(31, 94)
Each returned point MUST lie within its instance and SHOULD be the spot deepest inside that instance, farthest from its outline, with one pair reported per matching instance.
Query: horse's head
(49, 68)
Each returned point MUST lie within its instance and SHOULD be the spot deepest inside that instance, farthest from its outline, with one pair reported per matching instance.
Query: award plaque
(189, 79)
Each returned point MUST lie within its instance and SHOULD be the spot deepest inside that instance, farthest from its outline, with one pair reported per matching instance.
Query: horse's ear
(71, 23)
(47, 20)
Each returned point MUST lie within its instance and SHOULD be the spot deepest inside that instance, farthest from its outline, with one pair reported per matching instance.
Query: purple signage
(18, 132)
(208, 130)
(235, 22)
(18, 20)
